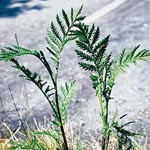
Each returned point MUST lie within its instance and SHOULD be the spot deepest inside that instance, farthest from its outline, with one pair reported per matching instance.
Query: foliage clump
(95, 59)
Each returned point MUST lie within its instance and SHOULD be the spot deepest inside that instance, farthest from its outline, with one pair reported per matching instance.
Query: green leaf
(79, 11)
(81, 18)
(51, 44)
(55, 31)
(56, 123)
(96, 36)
(11, 52)
(69, 92)
(51, 51)
(87, 66)
(91, 32)
(72, 15)
(101, 46)
(123, 60)
(83, 46)
(64, 100)
(61, 25)
(58, 42)
(66, 19)
(143, 55)
(54, 40)
(126, 124)
(93, 77)
(83, 55)
(121, 57)
(95, 85)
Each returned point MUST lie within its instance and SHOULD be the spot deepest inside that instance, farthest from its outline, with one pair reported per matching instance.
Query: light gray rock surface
(129, 25)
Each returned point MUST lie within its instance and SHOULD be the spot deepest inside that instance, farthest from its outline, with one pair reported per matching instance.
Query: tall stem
(58, 107)
(60, 119)
(105, 126)
(54, 81)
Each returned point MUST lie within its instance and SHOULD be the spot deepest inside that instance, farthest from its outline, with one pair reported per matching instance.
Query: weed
(103, 70)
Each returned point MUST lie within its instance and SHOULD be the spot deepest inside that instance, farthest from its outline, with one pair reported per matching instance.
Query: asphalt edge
(104, 11)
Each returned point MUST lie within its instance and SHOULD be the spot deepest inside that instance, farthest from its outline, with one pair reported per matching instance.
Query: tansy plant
(57, 39)
(104, 69)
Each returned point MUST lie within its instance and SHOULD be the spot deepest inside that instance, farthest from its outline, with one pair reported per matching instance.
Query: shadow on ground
(13, 8)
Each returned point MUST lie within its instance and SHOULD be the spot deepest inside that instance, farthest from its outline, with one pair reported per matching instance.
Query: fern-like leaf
(96, 36)
(36, 79)
(66, 25)
(66, 19)
(54, 41)
(102, 45)
(55, 31)
(11, 52)
(64, 101)
(83, 55)
(83, 46)
(72, 14)
(87, 66)
(91, 32)
(61, 25)
(79, 11)
(125, 59)
(128, 58)
(68, 92)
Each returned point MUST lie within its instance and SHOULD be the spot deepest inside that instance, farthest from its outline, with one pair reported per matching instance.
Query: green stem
(105, 126)
(55, 80)
(60, 119)
(58, 113)
(103, 108)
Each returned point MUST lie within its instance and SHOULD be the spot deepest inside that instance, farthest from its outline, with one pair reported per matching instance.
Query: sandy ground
(128, 25)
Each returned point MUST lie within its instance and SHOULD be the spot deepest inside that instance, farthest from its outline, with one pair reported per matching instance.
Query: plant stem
(54, 81)
(60, 119)
(56, 93)
(58, 107)
(105, 128)
(105, 125)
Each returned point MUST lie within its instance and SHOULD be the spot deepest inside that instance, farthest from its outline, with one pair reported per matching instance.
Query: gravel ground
(128, 25)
